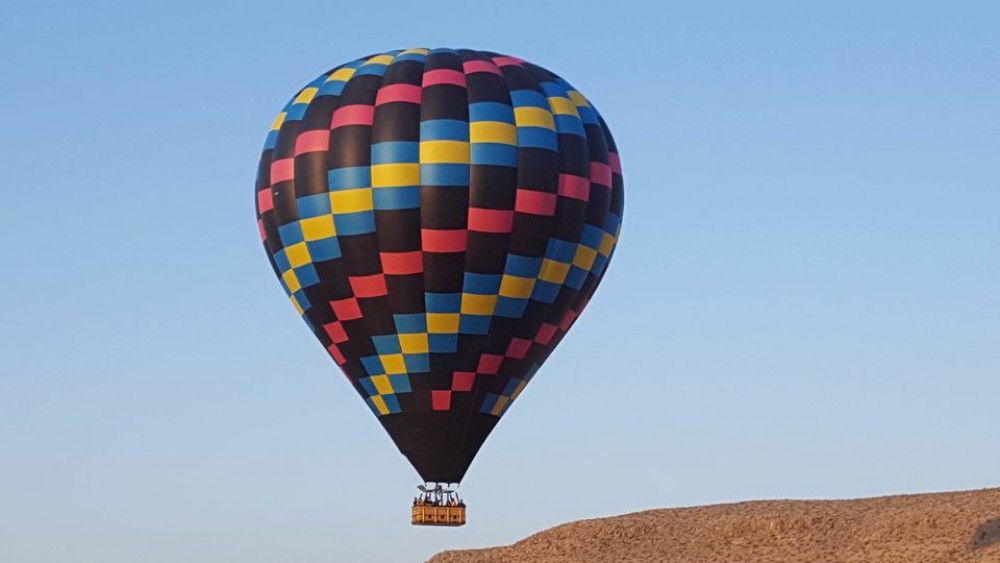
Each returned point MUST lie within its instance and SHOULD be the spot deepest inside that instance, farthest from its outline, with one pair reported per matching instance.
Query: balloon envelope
(439, 218)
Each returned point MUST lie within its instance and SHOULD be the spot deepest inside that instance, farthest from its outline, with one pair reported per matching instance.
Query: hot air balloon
(439, 218)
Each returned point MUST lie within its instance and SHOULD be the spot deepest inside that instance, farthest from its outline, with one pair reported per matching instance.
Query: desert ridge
(955, 527)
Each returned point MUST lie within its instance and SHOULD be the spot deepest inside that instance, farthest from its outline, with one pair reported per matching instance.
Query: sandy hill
(929, 528)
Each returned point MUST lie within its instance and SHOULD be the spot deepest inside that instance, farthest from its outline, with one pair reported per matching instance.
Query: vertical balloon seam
(263, 190)
(468, 136)
(483, 387)
(338, 286)
(351, 263)
(468, 126)
(483, 390)
(618, 192)
(470, 412)
(434, 198)
(550, 84)
(436, 194)
(289, 123)
(271, 246)
(567, 293)
(561, 221)
(310, 185)
(567, 307)
(380, 312)
(354, 263)
(285, 198)
(436, 211)
(494, 385)
(466, 338)
(616, 197)
(616, 202)
(483, 346)
(418, 217)
(397, 129)
(302, 182)
(591, 282)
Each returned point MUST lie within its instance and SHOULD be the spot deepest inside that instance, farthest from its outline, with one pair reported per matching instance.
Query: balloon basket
(438, 516)
(437, 507)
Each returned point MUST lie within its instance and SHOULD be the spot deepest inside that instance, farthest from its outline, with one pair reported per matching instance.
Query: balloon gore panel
(439, 218)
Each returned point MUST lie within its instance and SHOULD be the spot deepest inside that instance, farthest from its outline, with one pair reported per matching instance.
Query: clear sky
(805, 301)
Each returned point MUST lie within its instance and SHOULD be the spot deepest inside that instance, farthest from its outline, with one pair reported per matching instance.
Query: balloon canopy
(439, 218)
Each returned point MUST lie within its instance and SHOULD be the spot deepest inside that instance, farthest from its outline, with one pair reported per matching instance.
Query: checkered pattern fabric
(439, 218)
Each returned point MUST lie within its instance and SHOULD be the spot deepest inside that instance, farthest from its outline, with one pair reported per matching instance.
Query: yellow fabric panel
(318, 228)
(515, 286)
(278, 121)
(380, 404)
(493, 132)
(517, 390)
(295, 302)
(584, 257)
(473, 304)
(298, 254)
(607, 244)
(578, 98)
(499, 407)
(291, 281)
(438, 152)
(343, 74)
(351, 201)
(380, 60)
(552, 271)
(306, 96)
(534, 117)
(414, 343)
(442, 323)
(562, 106)
(393, 364)
(414, 52)
(395, 175)
(381, 383)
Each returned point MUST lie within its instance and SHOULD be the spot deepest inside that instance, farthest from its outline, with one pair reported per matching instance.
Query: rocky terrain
(962, 527)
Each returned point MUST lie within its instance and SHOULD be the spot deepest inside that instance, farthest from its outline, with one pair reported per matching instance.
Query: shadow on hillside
(987, 534)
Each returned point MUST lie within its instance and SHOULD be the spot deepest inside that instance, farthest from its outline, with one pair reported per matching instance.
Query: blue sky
(805, 301)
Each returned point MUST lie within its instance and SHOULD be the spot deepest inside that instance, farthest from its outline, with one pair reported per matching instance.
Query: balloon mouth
(438, 448)
(437, 505)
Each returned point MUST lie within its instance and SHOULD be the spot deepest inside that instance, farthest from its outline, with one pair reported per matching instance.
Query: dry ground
(959, 527)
